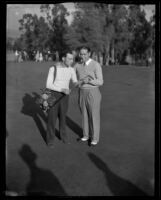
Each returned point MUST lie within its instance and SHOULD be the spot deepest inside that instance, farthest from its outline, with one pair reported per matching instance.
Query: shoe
(93, 143)
(84, 139)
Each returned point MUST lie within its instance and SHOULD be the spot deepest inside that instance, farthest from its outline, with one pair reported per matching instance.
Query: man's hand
(86, 80)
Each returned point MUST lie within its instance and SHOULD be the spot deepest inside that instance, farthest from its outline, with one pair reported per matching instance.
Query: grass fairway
(122, 164)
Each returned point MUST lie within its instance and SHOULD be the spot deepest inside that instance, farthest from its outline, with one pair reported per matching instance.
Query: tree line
(114, 32)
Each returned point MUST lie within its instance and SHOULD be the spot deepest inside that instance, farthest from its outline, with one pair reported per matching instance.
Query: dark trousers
(59, 110)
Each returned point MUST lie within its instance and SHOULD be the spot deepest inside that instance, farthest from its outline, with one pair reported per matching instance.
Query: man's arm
(50, 80)
(74, 77)
(83, 80)
(98, 81)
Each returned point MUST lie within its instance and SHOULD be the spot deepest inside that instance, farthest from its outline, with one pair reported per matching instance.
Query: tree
(121, 36)
(152, 47)
(10, 43)
(56, 19)
(34, 33)
(103, 27)
(141, 31)
(18, 44)
(44, 33)
(89, 28)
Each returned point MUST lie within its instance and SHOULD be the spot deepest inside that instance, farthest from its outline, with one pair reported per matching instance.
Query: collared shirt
(92, 69)
(62, 79)
(88, 61)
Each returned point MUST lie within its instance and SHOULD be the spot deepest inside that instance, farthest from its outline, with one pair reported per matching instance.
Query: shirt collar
(88, 61)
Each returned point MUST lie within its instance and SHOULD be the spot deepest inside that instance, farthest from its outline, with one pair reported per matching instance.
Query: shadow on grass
(74, 127)
(31, 109)
(42, 182)
(117, 185)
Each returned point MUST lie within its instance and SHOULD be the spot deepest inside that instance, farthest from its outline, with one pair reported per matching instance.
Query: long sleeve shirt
(92, 69)
(62, 79)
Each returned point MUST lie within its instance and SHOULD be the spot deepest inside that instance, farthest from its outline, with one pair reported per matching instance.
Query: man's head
(85, 53)
(68, 58)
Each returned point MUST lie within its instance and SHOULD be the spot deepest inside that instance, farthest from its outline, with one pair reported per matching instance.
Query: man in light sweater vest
(89, 95)
(60, 86)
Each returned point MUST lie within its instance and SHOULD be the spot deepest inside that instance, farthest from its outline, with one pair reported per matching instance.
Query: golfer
(89, 95)
(60, 87)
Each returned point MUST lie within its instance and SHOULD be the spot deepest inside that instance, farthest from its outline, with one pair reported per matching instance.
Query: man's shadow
(74, 127)
(33, 110)
(42, 182)
(117, 185)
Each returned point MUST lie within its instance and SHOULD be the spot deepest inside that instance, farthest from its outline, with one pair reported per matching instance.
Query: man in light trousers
(90, 97)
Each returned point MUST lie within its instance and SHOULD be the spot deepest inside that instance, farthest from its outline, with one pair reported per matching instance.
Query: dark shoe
(78, 139)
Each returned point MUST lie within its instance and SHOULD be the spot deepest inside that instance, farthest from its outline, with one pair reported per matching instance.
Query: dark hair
(85, 47)
(64, 54)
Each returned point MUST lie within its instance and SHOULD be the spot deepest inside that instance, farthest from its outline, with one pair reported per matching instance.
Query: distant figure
(149, 61)
(40, 57)
(128, 60)
(100, 59)
(48, 55)
(20, 59)
(16, 55)
(116, 61)
(25, 55)
(94, 56)
(112, 61)
(37, 56)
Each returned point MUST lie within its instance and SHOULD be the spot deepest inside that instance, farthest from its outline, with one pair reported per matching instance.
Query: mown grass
(124, 156)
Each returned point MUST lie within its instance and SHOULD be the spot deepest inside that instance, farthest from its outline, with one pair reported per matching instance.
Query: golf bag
(47, 99)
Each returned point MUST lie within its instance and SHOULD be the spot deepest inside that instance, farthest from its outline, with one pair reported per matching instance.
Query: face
(68, 60)
(84, 54)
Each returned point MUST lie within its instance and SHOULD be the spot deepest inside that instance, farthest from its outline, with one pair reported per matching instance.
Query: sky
(16, 11)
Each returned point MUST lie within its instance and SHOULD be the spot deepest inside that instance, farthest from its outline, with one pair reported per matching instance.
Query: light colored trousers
(89, 102)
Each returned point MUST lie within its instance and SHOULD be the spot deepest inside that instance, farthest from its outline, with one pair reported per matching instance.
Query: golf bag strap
(55, 72)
